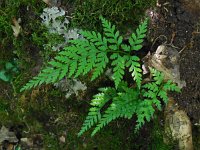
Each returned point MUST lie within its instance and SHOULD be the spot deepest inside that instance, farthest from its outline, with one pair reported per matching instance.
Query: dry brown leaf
(16, 27)
(47, 2)
(52, 2)
(62, 139)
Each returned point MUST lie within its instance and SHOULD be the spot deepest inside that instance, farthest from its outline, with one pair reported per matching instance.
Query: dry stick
(159, 38)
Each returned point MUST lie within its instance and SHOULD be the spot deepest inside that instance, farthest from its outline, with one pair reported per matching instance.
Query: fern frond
(136, 39)
(75, 60)
(152, 92)
(111, 34)
(97, 103)
(157, 75)
(123, 105)
(170, 86)
(126, 48)
(163, 95)
(100, 64)
(118, 68)
(51, 74)
(125, 102)
(91, 54)
(135, 68)
(151, 86)
(96, 39)
(144, 112)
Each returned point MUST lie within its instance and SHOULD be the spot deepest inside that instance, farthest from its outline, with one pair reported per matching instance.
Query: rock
(6, 135)
(166, 60)
(177, 126)
(27, 141)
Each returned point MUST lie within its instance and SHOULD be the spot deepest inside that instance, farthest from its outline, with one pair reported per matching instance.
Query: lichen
(55, 20)
(70, 86)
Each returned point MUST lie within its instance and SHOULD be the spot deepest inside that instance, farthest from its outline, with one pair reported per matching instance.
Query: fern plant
(93, 54)
(126, 102)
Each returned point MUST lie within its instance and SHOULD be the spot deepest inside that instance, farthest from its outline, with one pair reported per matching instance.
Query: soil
(180, 24)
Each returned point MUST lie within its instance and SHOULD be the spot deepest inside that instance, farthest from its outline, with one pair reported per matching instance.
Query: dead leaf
(52, 2)
(47, 2)
(16, 27)
(62, 139)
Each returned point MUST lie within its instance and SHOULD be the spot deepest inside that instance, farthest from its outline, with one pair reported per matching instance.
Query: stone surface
(177, 126)
(166, 59)
(6, 135)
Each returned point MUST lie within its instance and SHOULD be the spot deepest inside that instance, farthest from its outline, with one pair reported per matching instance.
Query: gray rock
(6, 135)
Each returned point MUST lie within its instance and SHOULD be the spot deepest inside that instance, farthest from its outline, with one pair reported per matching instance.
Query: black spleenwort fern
(93, 53)
(125, 102)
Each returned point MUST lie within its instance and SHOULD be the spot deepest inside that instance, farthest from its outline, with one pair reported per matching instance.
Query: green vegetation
(93, 53)
(8, 71)
(15, 9)
(157, 135)
(125, 102)
(86, 13)
(45, 111)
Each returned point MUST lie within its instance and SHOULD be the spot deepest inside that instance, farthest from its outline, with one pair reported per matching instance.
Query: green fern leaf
(135, 68)
(112, 36)
(151, 86)
(145, 111)
(91, 54)
(157, 76)
(169, 86)
(163, 95)
(157, 103)
(97, 103)
(126, 47)
(136, 39)
(123, 105)
(96, 39)
(100, 65)
(118, 68)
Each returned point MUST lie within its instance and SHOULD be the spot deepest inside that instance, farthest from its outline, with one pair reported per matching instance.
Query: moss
(13, 9)
(28, 46)
(157, 135)
(45, 110)
(120, 13)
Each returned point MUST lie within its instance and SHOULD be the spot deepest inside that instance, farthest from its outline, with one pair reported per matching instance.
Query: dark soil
(181, 25)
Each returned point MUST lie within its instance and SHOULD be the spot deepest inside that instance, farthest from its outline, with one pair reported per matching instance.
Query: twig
(159, 38)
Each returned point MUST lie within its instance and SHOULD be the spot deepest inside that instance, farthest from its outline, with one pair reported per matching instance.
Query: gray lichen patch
(70, 86)
(50, 18)
(55, 20)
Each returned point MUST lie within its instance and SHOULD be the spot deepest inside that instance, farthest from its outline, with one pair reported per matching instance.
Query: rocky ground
(179, 22)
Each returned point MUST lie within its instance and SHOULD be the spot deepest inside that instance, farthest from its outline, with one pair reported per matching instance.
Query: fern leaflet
(136, 39)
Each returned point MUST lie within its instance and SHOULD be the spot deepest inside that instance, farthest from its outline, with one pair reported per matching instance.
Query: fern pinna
(125, 102)
(94, 52)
